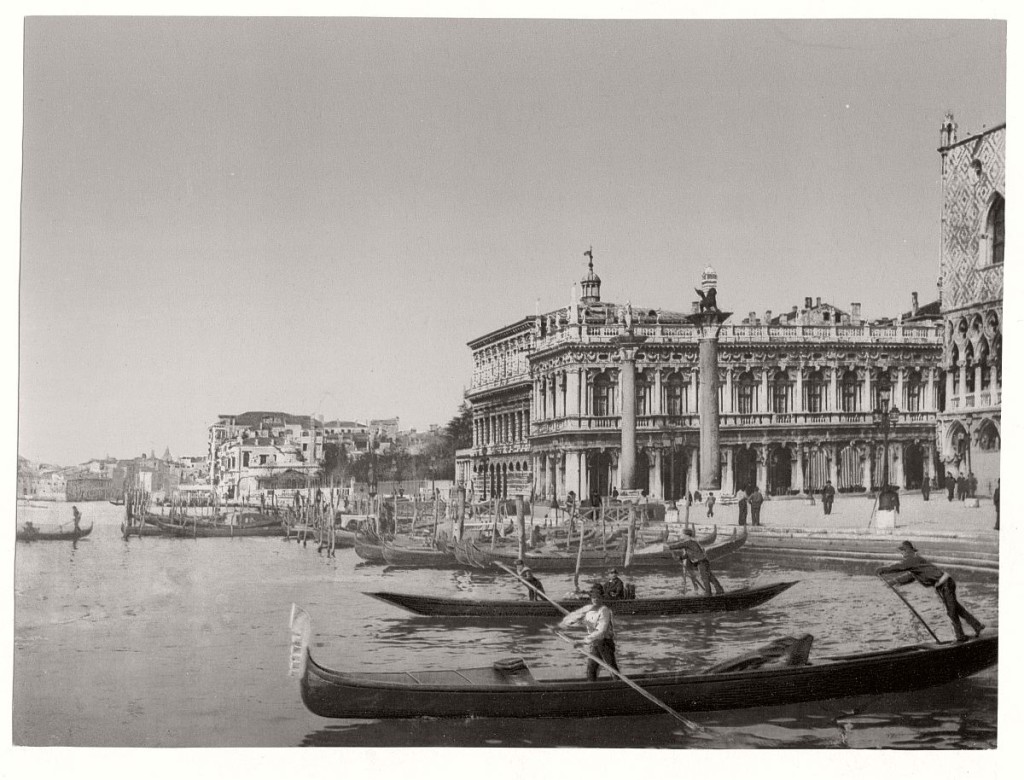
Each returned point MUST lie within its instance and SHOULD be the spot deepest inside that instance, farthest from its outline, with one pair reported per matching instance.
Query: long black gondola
(744, 598)
(509, 690)
(29, 532)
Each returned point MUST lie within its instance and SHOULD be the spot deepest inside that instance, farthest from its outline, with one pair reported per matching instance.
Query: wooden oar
(893, 589)
(689, 724)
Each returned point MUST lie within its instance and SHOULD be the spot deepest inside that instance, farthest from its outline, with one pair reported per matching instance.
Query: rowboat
(29, 532)
(744, 598)
(508, 688)
(369, 547)
(417, 556)
(213, 530)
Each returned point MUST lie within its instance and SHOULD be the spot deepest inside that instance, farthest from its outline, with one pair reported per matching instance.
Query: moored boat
(508, 688)
(744, 598)
(396, 554)
(198, 530)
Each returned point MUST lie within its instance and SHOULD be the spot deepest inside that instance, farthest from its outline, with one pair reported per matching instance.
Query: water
(168, 642)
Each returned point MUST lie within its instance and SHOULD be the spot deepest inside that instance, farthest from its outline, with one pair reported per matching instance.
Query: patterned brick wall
(973, 172)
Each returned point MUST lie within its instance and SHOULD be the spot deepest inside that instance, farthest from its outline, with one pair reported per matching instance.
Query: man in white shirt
(600, 639)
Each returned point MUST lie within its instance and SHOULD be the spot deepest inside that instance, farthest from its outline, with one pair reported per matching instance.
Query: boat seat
(785, 651)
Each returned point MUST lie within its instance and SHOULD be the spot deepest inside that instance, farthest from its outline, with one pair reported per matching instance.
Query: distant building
(249, 452)
(969, 429)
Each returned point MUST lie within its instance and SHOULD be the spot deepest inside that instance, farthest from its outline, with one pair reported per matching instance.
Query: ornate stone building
(968, 431)
(796, 395)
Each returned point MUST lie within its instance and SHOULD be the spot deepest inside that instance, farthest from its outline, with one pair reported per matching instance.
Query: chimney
(855, 313)
(913, 303)
(807, 303)
(818, 304)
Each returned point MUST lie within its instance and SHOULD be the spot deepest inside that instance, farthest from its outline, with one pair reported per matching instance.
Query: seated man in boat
(600, 639)
(914, 567)
(614, 589)
(536, 537)
(697, 558)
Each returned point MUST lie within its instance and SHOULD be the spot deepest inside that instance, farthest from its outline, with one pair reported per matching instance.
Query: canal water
(180, 642)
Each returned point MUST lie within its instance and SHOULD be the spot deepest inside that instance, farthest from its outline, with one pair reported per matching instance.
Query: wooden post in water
(437, 515)
(521, 525)
(630, 535)
(460, 512)
(579, 558)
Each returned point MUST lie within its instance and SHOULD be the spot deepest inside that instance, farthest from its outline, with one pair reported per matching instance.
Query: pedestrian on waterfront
(614, 589)
(689, 498)
(600, 640)
(615, 494)
(755, 499)
(915, 567)
(711, 504)
(696, 558)
(961, 487)
(995, 502)
(828, 495)
(697, 498)
(972, 485)
(950, 486)
(926, 488)
(741, 496)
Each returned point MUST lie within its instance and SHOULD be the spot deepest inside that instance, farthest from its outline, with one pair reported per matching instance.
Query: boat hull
(427, 606)
(487, 692)
(51, 534)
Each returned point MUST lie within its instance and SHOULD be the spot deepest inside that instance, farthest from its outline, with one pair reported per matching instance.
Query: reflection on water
(185, 642)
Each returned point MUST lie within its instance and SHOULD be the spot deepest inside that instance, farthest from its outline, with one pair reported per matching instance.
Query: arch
(849, 389)
(599, 472)
(746, 393)
(851, 474)
(675, 394)
(745, 468)
(780, 470)
(914, 458)
(816, 471)
(993, 239)
(642, 475)
(988, 436)
(780, 391)
(969, 366)
(603, 395)
(814, 392)
(674, 469)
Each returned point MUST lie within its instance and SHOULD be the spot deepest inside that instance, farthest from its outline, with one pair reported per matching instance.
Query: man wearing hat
(526, 575)
(697, 558)
(914, 567)
(614, 589)
(600, 639)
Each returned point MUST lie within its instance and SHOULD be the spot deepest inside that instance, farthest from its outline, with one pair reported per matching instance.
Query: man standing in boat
(76, 518)
(615, 589)
(697, 558)
(600, 639)
(914, 567)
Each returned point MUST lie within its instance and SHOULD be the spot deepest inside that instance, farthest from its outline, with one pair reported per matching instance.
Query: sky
(315, 215)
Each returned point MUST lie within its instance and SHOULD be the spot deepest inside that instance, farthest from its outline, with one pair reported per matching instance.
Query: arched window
(983, 361)
(969, 365)
(603, 397)
(674, 395)
(643, 393)
(814, 392)
(954, 367)
(745, 394)
(780, 393)
(912, 390)
(849, 388)
(995, 232)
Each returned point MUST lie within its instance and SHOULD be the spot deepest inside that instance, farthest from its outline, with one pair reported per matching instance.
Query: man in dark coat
(914, 567)
(950, 486)
(614, 589)
(742, 501)
(995, 502)
(755, 499)
(926, 488)
(828, 495)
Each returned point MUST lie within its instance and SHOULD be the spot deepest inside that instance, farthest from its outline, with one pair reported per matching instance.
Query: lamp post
(884, 417)
(483, 470)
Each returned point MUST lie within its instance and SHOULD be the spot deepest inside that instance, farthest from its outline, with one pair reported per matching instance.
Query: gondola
(654, 555)
(508, 689)
(29, 532)
(744, 598)
(189, 530)
(407, 555)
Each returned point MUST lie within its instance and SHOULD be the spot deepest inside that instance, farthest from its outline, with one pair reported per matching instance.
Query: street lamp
(483, 469)
(884, 417)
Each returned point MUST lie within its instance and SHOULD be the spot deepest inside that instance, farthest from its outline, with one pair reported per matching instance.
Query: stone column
(574, 393)
(833, 402)
(693, 472)
(762, 392)
(572, 474)
(657, 486)
(728, 407)
(729, 478)
(799, 476)
(949, 391)
(657, 401)
(868, 460)
(798, 401)
(710, 466)
(833, 466)
(868, 404)
(627, 344)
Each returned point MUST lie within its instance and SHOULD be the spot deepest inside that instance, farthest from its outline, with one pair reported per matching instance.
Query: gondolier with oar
(600, 639)
(914, 567)
(697, 558)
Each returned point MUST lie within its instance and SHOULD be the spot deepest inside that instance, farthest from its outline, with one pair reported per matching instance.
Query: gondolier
(600, 639)
(915, 567)
(697, 558)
